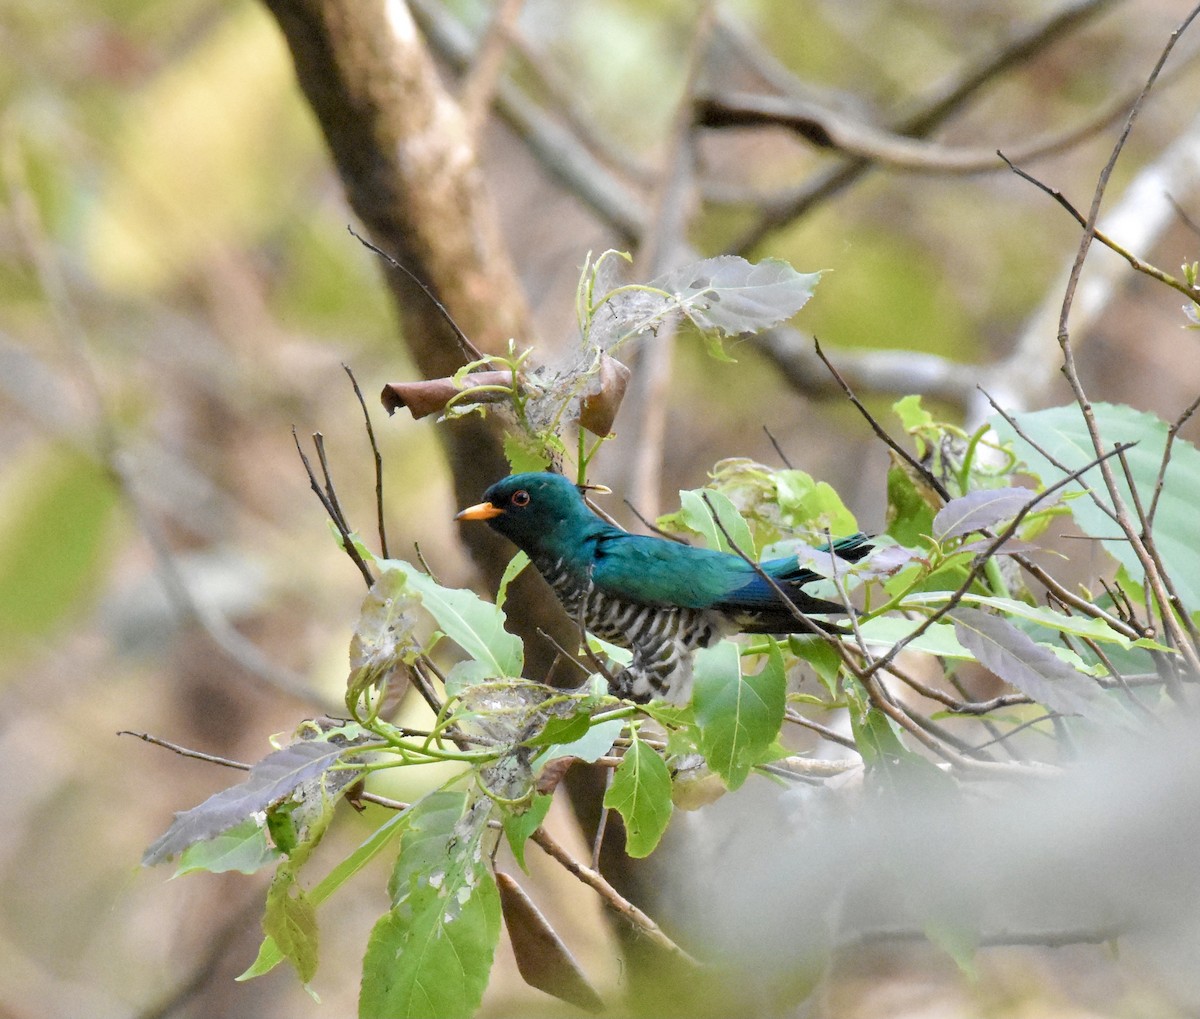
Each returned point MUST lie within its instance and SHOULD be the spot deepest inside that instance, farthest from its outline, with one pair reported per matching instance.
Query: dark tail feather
(852, 548)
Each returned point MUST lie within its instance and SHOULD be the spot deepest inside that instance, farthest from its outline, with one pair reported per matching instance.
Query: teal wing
(652, 571)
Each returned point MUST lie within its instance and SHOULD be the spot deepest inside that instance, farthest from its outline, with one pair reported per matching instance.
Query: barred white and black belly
(662, 638)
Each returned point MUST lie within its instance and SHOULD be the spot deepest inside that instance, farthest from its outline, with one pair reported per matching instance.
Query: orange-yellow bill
(482, 511)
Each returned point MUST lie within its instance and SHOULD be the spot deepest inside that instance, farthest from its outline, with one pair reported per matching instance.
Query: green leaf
(431, 820)
(1079, 626)
(524, 453)
(738, 716)
(641, 794)
(821, 655)
(515, 567)
(912, 415)
(957, 940)
(475, 625)
(291, 922)
(939, 639)
(911, 504)
(269, 955)
(876, 737)
(593, 744)
(519, 826)
(805, 502)
(429, 956)
(694, 515)
(888, 761)
(1061, 431)
(559, 729)
(243, 848)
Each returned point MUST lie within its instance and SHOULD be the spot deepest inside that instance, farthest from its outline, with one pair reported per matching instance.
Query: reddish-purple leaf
(274, 778)
(1033, 669)
(978, 510)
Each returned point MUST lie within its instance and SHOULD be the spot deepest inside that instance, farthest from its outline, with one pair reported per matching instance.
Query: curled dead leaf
(543, 960)
(429, 396)
(598, 409)
(553, 772)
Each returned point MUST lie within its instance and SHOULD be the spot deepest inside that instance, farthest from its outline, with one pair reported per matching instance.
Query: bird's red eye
(520, 498)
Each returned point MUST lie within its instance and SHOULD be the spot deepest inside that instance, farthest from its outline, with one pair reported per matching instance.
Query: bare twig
(378, 457)
(1046, 939)
(1172, 432)
(1191, 293)
(1153, 574)
(778, 449)
(334, 512)
(470, 351)
(602, 824)
(926, 474)
(183, 751)
(650, 526)
(623, 907)
(832, 735)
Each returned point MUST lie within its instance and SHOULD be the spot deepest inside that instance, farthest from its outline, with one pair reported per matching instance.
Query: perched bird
(659, 598)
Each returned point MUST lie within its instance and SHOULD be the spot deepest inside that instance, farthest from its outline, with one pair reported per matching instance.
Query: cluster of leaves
(718, 297)
(938, 583)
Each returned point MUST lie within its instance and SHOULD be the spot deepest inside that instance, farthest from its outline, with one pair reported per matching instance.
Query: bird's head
(537, 511)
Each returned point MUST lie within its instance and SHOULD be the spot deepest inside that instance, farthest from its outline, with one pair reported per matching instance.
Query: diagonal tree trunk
(410, 171)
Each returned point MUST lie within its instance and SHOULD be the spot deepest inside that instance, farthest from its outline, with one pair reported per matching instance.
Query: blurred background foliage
(177, 290)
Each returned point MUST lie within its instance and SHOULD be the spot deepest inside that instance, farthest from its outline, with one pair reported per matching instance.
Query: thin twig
(596, 881)
(926, 474)
(652, 526)
(778, 449)
(1191, 293)
(827, 128)
(1153, 575)
(330, 491)
(1051, 717)
(183, 751)
(1045, 939)
(562, 652)
(832, 735)
(334, 513)
(1172, 432)
(983, 707)
(602, 824)
(378, 457)
(425, 688)
(469, 349)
